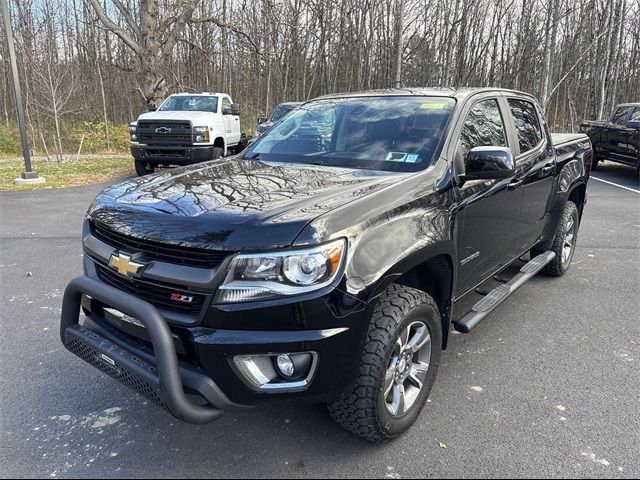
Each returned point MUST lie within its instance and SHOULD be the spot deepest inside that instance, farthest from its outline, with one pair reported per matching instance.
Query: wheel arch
(432, 272)
(578, 195)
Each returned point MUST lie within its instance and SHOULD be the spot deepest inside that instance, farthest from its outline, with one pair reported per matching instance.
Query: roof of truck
(458, 93)
(195, 94)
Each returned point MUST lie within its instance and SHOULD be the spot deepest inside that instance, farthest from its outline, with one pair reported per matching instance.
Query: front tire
(398, 367)
(143, 168)
(217, 153)
(564, 242)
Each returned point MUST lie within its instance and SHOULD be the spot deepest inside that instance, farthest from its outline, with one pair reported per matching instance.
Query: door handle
(548, 168)
(515, 184)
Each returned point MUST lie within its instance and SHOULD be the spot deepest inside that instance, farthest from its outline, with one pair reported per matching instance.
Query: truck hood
(178, 115)
(232, 204)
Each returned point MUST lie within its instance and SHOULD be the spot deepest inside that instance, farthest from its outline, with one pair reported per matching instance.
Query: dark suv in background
(617, 139)
(265, 123)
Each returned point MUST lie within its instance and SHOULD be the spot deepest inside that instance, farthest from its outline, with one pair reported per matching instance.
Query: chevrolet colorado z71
(187, 128)
(324, 263)
(618, 139)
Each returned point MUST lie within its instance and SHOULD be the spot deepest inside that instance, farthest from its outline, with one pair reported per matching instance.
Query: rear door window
(527, 124)
(635, 116)
(483, 127)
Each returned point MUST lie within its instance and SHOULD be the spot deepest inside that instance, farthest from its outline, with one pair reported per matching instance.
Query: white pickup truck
(186, 128)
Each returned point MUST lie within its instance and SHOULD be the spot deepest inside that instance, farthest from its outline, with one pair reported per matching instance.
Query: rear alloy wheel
(398, 367)
(564, 242)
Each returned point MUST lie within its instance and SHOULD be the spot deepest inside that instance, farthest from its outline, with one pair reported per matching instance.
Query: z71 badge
(179, 297)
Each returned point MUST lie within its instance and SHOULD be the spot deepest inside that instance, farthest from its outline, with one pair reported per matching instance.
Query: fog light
(285, 365)
(277, 373)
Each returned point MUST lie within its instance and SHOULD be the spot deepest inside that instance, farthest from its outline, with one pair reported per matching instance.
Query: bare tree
(579, 58)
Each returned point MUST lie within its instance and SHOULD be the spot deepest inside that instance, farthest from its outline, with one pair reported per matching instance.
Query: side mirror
(484, 163)
(151, 106)
(235, 109)
(633, 124)
(261, 119)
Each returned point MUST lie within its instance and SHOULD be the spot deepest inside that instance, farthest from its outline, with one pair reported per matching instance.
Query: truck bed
(560, 139)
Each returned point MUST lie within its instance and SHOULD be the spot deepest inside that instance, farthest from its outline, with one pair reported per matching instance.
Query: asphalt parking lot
(547, 387)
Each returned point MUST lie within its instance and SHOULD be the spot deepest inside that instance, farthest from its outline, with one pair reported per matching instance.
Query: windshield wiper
(255, 156)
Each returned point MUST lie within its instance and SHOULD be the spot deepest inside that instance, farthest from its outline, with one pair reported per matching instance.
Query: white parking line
(615, 184)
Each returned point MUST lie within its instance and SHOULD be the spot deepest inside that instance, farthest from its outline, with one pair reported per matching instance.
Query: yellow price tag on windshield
(433, 106)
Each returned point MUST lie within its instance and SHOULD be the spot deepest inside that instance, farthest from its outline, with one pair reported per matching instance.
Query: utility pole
(28, 176)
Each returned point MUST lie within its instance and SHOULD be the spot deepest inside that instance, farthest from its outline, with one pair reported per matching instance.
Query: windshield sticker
(403, 157)
(433, 106)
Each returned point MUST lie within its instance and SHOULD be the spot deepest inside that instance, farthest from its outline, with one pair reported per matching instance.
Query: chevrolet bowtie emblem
(124, 265)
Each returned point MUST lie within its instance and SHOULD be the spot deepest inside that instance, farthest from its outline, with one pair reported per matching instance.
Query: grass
(86, 171)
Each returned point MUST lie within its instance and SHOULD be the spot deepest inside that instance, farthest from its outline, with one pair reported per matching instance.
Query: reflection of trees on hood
(243, 186)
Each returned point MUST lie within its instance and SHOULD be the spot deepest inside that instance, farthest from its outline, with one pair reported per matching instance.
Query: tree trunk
(104, 107)
(607, 53)
(399, 44)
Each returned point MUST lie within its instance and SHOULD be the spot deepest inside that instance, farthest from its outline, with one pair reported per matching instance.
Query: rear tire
(393, 382)
(143, 168)
(564, 242)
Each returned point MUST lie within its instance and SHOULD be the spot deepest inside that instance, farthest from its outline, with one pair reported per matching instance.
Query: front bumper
(160, 380)
(174, 155)
(166, 362)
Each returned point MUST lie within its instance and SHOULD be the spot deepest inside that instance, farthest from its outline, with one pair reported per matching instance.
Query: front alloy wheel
(398, 366)
(407, 369)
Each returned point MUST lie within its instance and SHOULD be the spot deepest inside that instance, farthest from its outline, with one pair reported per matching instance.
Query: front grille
(148, 124)
(193, 257)
(170, 134)
(164, 139)
(158, 295)
(79, 340)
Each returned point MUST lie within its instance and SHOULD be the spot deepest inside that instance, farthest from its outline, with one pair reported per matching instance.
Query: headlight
(271, 275)
(201, 134)
(132, 133)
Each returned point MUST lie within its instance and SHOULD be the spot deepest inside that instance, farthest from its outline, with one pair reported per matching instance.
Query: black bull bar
(162, 382)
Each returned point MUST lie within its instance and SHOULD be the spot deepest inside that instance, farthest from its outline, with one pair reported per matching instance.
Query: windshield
(381, 133)
(189, 103)
(280, 111)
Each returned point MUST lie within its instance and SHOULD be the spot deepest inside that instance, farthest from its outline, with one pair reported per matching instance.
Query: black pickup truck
(325, 261)
(618, 139)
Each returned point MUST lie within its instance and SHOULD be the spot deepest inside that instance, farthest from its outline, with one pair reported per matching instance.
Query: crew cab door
(487, 223)
(619, 140)
(535, 167)
(231, 122)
